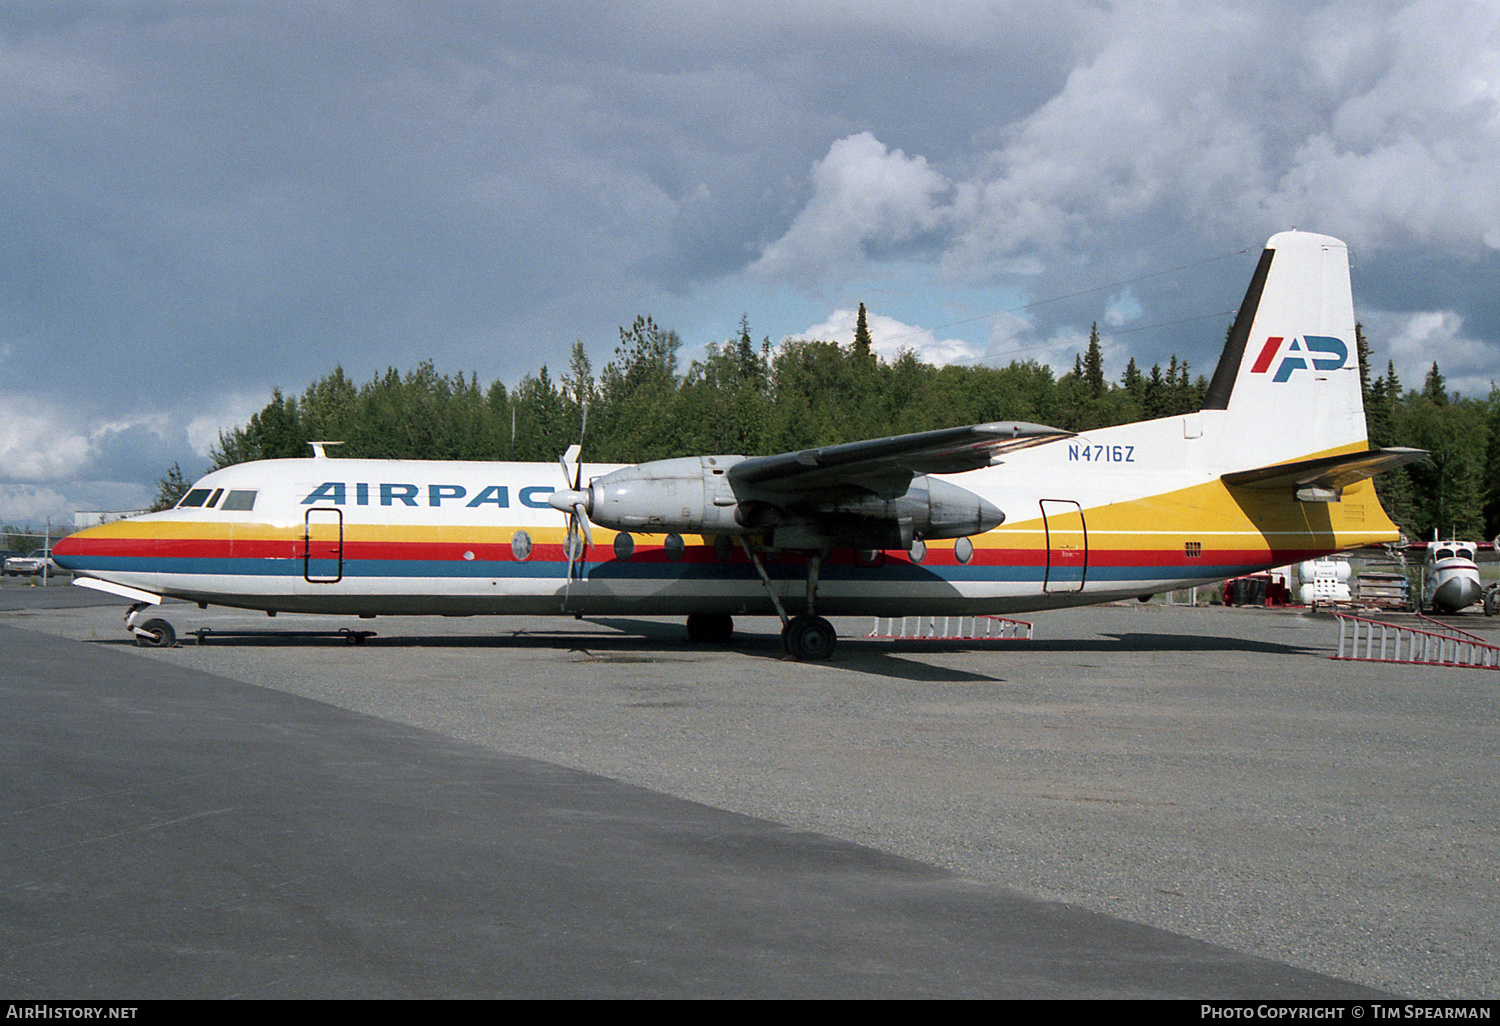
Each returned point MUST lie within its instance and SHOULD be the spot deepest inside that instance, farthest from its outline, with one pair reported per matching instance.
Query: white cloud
(1121, 309)
(1190, 132)
(863, 194)
(1417, 340)
(35, 505)
(229, 412)
(1015, 339)
(1303, 118)
(37, 443)
(888, 337)
(55, 459)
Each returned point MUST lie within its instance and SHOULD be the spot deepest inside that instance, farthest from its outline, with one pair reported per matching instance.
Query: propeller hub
(567, 500)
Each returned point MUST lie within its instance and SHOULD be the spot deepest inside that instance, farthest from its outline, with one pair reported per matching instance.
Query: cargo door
(323, 546)
(1067, 546)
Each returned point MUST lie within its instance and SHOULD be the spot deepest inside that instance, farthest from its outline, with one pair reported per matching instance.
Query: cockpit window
(1444, 554)
(241, 500)
(196, 497)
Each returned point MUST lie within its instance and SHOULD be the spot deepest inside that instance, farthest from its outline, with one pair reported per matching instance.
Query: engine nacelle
(696, 495)
(689, 495)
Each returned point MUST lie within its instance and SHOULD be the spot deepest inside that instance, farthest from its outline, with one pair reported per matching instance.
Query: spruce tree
(861, 334)
(1435, 387)
(1093, 364)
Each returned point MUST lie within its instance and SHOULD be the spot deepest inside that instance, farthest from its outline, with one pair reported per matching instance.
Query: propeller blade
(581, 516)
(571, 547)
(573, 503)
(568, 461)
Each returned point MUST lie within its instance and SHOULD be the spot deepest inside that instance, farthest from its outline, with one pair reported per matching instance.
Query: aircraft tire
(159, 635)
(715, 628)
(809, 638)
(1492, 602)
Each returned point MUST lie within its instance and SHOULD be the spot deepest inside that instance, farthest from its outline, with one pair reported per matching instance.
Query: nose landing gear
(154, 633)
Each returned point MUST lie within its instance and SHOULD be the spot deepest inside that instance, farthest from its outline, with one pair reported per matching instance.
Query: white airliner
(990, 518)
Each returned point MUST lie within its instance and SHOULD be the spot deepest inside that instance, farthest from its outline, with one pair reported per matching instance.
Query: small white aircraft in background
(991, 518)
(1450, 576)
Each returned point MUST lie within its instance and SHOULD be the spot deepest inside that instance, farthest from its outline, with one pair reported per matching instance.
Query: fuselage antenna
(317, 447)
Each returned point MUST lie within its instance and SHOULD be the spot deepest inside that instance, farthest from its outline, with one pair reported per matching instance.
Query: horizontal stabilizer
(1329, 472)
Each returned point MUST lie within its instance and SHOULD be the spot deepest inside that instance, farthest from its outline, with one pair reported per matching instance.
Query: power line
(1084, 292)
(1103, 334)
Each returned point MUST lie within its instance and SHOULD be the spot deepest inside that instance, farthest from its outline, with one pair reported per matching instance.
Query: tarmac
(1145, 801)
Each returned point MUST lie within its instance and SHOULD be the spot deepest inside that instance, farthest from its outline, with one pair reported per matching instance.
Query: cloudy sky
(203, 200)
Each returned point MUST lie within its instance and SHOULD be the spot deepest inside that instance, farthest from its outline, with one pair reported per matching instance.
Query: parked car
(32, 565)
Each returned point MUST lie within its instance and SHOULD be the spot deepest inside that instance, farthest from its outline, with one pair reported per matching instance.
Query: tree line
(757, 399)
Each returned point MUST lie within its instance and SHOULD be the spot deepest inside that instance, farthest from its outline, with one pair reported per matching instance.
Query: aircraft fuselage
(1109, 514)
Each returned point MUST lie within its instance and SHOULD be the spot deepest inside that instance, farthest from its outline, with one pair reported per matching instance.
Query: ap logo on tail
(1333, 354)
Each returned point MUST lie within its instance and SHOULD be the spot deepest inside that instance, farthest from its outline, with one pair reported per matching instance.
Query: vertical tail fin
(1288, 379)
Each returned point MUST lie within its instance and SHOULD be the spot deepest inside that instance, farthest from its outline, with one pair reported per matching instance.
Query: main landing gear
(807, 636)
(804, 637)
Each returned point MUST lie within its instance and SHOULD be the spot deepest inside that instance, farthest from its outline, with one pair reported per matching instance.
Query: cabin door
(1067, 546)
(323, 546)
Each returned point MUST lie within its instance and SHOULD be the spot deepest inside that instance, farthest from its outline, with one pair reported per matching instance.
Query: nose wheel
(809, 637)
(155, 634)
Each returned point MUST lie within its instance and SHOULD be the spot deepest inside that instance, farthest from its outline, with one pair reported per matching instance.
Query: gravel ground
(1206, 771)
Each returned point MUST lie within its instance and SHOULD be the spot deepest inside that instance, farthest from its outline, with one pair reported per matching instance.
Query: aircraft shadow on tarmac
(644, 641)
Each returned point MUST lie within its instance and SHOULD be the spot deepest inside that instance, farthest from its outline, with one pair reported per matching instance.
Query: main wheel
(716, 628)
(159, 635)
(809, 638)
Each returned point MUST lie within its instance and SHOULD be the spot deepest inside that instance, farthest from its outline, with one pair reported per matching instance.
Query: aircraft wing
(1331, 472)
(886, 466)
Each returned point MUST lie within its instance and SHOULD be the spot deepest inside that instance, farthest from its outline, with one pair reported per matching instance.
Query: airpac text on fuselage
(400, 493)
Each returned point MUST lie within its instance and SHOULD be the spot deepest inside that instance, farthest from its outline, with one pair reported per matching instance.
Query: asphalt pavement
(1144, 801)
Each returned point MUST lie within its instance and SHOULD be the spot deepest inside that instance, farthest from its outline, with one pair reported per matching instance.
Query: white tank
(1324, 581)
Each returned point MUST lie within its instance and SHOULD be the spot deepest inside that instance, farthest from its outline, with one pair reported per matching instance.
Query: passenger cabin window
(240, 500)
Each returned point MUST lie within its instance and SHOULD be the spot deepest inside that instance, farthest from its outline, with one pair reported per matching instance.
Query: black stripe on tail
(1228, 369)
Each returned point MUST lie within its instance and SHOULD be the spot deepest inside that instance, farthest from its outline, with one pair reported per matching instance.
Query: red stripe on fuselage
(380, 551)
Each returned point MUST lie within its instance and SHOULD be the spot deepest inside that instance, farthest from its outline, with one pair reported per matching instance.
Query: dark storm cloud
(207, 199)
